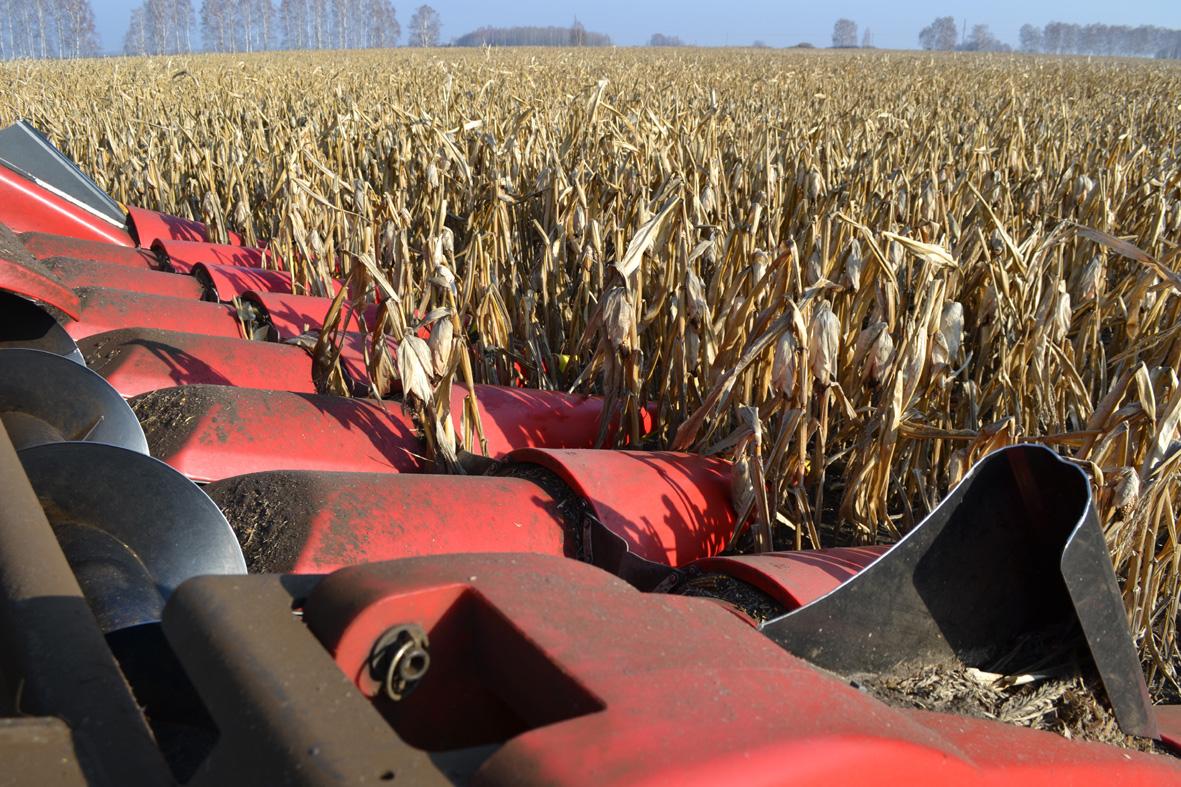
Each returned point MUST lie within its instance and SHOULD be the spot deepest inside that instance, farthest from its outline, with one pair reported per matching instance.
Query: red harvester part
(209, 432)
(27, 207)
(87, 273)
(578, 679)
(42, 246)
(293, 315)
(226, 282)
(232, 431)
(651, 509)
(319, 522)
(25, 276)
(107, 310)
(182, 255)
(138, 360)
(527, 417)
(794, 579)
(149, 226)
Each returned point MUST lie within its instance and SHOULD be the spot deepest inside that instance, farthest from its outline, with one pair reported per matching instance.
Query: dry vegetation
(854, 273)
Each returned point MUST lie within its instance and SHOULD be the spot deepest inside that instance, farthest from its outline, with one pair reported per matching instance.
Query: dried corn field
(854, 274)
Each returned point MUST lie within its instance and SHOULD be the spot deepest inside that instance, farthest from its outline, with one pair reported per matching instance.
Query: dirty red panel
(27, 207)
(332, 520)
(182, 255)
(88, 273)
(138, 360)
(582, 680)
(38, 285)
(209, 432)
(234, 281)
(795, 578)
(107, 310)
(526, 417)
(149, 226)
(43, 245)
(670, 508)
(293, 315)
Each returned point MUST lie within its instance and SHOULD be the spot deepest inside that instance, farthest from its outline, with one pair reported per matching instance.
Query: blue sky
(777, 23)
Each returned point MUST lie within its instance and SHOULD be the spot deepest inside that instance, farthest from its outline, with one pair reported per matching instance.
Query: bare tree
(383, 28)
(1030, 38)
(424, 27)
(867, 39)
(293, 19)
(940, 34)
(981, 39)
(135, 41)
(76, 33)
(660, 39)
(844, 34)
(217, 25)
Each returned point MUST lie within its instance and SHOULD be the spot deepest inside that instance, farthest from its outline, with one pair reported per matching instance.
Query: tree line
(1060, 38)
(575, 35)
(47, 28)
(1064, 38)
(165, 26)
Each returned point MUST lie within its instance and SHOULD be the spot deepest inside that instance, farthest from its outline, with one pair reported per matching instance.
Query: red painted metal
(43, 246)
(1168, 720)
(333, 520)
(794, 578)
(234, 281)
(27, 207)
(583, 680)
(670, 508)
(149, 226)
(106, 310)
(182, 255)
(526, 417)
(138, 360)
(32, 283)
(293, 315)
(215, 432)
(87, 273)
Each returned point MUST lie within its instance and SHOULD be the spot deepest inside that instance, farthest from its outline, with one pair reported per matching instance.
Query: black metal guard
(1015, 549)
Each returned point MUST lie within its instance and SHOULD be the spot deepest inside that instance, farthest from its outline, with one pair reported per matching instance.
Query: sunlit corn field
(854, 274)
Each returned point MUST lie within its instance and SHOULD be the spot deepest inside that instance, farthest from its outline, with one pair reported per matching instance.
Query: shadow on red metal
(226, 282)
(182, 255)
(209, 432)
(138, 360)
(149, 226)
(659, 507)
(293, 315)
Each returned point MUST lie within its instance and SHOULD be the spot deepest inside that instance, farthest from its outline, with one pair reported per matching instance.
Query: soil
(170, 415)
(1074, 707)
(756, 604)
(272, 536)
(572, 507)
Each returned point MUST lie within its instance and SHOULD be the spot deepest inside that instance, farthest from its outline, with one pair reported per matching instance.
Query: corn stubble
(852, 274)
